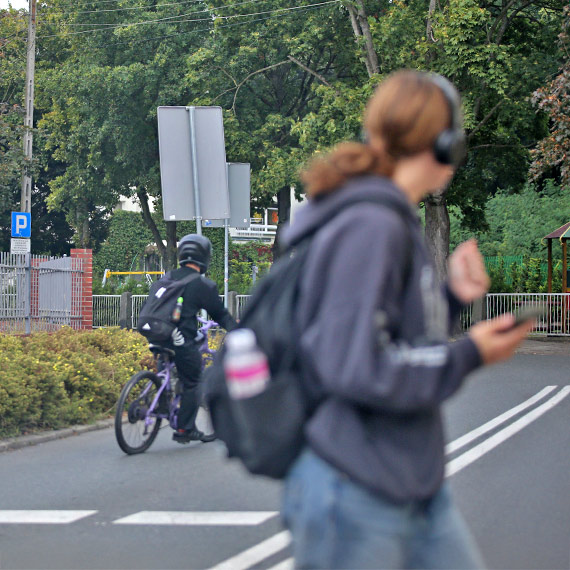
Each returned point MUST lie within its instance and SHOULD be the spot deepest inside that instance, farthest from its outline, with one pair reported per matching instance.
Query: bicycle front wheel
(135, 428)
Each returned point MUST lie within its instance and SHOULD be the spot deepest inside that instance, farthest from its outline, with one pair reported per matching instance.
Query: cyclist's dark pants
(189, 365)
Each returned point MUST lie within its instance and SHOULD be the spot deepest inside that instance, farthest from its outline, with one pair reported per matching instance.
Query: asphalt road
(80, 503)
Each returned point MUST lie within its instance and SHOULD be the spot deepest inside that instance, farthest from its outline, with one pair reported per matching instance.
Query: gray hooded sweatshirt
(374, 341)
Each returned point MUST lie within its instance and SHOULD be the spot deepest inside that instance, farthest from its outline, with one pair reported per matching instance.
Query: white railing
(106, 310)
(241, 303)
(556, 320)
(466, 318)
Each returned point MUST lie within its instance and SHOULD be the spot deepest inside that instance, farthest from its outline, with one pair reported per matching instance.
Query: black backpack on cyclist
(156, 320)
(266, 431)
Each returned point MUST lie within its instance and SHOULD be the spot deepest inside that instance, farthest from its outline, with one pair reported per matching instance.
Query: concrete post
(126, 310)
(233, 304)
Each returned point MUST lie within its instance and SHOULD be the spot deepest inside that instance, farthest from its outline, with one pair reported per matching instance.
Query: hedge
(53, 380)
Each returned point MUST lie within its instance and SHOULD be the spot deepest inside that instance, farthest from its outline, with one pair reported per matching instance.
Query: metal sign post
(226, 261)
(195, 177)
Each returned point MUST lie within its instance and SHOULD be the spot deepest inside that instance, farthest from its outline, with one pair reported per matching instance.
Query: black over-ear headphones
(450, 144)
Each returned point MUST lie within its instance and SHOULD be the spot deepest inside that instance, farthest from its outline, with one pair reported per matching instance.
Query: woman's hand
(467, 277)
(497, 339)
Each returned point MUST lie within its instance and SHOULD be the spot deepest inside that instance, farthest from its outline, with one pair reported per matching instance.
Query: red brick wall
(86, 302)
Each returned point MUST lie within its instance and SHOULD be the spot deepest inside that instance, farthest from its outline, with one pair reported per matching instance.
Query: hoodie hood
(316, 213)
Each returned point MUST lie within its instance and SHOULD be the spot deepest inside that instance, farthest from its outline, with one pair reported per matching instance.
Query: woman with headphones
(368, 490)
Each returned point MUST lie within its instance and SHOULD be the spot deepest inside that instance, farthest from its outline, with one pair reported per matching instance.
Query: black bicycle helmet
(197, 249)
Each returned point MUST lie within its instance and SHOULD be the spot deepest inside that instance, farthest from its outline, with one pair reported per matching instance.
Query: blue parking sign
(21, 224)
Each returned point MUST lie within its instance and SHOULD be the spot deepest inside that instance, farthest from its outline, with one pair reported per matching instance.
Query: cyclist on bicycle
(194, 253)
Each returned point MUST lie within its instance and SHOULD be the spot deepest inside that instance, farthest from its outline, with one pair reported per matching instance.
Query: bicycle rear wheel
(133, 430)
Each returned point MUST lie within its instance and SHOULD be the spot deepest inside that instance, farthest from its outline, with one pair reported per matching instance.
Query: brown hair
(403, 117)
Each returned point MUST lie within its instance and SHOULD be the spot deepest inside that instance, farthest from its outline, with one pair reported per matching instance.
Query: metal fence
(466, 318)
(556, 321)
(556, 306)
(106, 309)
(39, 292)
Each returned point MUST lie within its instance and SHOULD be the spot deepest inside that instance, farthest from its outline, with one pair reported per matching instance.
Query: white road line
(457, 464)
(206, 518)
(274, 544)
(257, 553)
(288, 564)
(472, 435)
(42, 517)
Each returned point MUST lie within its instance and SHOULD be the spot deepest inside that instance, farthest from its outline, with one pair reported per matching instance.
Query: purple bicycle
(148, 398)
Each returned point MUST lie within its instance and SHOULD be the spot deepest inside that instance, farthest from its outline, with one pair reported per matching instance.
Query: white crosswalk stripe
(42, 517)
(222, 518)
(257, 553)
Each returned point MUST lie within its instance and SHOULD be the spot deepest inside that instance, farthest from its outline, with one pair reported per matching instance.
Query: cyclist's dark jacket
(377, 345)
(200, 293)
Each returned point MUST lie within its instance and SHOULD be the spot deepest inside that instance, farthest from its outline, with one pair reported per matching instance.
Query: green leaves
(553, 152)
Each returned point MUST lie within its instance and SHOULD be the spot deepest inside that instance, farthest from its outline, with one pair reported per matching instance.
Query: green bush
(55, 380)
(243, 256)
(528, 276)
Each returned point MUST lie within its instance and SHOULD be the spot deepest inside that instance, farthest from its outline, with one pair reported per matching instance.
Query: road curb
(35, 439)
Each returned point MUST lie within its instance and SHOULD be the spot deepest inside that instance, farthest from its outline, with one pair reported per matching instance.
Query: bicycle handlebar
(206, 324)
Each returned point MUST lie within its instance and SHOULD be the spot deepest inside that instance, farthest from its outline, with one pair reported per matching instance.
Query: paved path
(546, 345)
(79, 502)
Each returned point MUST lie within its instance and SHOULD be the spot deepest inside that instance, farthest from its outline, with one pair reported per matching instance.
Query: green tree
(292, 80)
(553, 151)
(264, 74)
(12, 79)
(50, 232)
(99, 96)
(516, 223)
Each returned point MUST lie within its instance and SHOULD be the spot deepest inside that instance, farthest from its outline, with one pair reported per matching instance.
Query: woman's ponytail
(329, 172)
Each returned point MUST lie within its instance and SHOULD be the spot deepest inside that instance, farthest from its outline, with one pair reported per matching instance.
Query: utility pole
(26, 195)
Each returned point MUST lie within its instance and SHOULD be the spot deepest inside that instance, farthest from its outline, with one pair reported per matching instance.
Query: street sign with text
(20, 246)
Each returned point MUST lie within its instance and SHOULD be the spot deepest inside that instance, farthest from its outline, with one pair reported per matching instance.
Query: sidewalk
(546, 345)
(12, 443)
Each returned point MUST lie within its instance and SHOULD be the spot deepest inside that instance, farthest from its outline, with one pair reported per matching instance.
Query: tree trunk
(429, 29)
(361, 29)
(283, 212)
(167, 252)
(82, 225)
(171, 260)
(437, 233)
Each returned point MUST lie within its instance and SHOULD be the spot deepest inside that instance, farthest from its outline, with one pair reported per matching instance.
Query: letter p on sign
(21, 224)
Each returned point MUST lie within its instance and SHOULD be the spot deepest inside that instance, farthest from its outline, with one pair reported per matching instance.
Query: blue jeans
(337, 523)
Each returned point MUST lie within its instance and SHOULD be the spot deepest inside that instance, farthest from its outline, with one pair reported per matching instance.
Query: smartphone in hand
(526, 314)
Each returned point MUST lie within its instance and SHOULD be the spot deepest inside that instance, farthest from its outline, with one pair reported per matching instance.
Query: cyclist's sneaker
(188, 435)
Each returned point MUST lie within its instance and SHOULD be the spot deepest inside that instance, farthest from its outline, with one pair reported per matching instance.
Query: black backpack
(155, 318)
(266, 431)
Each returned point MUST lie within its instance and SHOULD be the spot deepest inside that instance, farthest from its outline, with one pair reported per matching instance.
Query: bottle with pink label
(246, 367)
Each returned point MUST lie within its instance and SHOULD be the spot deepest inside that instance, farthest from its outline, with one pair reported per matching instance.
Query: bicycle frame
(204, 347)
(165, 375)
